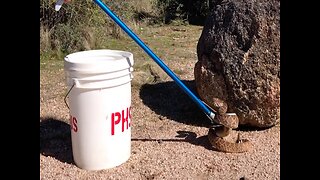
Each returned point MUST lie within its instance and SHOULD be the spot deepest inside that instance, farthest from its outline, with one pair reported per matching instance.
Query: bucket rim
(98, 61)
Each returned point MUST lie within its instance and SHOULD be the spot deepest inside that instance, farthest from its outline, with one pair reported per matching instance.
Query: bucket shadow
(186, 136)
(169, 100)
(55, 140)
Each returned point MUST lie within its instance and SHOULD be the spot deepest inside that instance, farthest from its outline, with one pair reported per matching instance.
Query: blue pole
(207, 111)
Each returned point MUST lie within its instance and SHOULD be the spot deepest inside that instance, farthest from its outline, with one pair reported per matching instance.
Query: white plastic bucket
(99, 83)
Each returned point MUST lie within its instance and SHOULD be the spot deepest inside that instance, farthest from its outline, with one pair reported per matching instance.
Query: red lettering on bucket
(129, 115)
(124, 119)
(113, 122)
(124, 116)
(73, 123)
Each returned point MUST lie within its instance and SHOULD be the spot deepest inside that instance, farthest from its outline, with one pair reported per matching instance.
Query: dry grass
(45, 41)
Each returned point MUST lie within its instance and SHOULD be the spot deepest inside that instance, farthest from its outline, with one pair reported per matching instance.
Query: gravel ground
(169, 140)
(169, 133)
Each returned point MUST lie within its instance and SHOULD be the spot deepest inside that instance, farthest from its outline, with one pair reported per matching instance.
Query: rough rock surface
(239, 59)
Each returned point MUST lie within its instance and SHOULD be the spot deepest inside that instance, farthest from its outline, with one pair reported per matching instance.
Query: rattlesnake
(222, 136)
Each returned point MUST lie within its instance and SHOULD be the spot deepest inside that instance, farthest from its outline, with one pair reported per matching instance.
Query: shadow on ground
(247, 128)
(185, 136)
(167, 99)
(55, 139)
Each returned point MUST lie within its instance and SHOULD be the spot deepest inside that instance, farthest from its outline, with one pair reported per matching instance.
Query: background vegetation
(82, 25)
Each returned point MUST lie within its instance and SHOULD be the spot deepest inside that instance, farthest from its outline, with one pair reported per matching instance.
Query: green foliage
(190, 11)
(67, 38)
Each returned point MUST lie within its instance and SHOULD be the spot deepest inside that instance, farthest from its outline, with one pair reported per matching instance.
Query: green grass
(169, 43)
(51, 60)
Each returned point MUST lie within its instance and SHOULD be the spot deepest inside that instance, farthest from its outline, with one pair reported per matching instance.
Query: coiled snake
(220, 136)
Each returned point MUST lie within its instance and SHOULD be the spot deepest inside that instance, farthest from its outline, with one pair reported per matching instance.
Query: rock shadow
(55, 139)
(169, 100)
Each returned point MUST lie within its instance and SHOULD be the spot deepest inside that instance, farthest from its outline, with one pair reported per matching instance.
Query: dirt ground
(169, 132)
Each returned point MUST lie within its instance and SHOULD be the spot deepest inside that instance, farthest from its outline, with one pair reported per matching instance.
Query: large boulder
(239, 59)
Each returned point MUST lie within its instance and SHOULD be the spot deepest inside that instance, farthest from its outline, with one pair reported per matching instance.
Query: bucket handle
(65, 98)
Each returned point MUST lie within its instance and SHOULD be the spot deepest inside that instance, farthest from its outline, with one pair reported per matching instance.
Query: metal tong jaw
(59, 4)
(220, 118)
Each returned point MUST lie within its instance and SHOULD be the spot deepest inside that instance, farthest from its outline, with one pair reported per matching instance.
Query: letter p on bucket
(99, 100)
